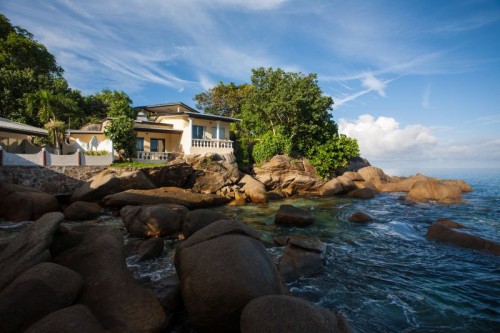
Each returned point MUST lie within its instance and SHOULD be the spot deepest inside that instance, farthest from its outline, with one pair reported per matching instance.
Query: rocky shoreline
(77, 280)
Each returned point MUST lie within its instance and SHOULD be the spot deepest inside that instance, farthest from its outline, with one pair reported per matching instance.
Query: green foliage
(96, 152)
(121, 132)
(18, 50)
(292, 101)
(223, 99)
(114, 103)
(271, 144)
(333, 155)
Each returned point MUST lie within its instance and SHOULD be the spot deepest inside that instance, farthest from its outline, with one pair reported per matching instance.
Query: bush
(271, 144)
(333, 155)
(121, 132)
(96, 152)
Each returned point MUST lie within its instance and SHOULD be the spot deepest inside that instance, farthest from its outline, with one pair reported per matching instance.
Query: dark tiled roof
(15, 127)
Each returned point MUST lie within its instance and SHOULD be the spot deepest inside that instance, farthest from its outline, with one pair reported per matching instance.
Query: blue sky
(417, 82)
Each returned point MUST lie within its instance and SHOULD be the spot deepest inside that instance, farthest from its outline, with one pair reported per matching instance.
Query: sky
(417, 82)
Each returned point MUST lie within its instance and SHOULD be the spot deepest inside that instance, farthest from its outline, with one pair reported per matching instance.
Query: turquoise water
(385, 276)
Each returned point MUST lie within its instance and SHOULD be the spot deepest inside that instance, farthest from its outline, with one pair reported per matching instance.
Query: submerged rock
(144, 249)
(442, 231)
(291, 216)
(363, 193)
(360, 217)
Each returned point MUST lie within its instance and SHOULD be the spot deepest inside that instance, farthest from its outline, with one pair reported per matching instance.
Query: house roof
(7, 125)
(179, 108)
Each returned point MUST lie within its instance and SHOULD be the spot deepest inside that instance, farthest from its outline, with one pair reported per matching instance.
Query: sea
(384, 276)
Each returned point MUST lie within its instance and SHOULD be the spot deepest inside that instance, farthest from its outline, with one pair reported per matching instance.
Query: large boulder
(176, 173)
(73, 319)
(254, 189)
(443, 231)
(164, 195)
(294, 175)
(109, 182)
(291, 216)
(29, 248)
(374, 175)
(464, 187)
(110, 291)
(22, 203)
(221, 268)
(334, 186)
(35, 293)
(401, 184)
(200, 218)
(82, 210)
(303, 256)
(214, 172)
(281, 313)
(153, 220)
(434, 190)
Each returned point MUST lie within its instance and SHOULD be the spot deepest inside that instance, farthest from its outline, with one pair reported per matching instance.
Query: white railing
(152, 156)
(204, 143)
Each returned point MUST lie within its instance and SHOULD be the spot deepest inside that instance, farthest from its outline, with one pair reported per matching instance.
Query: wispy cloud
(426, 104)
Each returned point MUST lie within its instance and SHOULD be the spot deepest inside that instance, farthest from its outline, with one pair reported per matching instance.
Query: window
(140, 144)
(198, 132)
(157, 145)
(222, 133)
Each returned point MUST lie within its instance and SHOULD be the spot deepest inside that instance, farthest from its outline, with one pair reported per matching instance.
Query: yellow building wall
(172, 140)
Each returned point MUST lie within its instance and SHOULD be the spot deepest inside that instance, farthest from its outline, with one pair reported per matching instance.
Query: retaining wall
(58, 180)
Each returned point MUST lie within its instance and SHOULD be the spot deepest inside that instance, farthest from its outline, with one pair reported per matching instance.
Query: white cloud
(384, 142)
(371, 82)
(383, 138)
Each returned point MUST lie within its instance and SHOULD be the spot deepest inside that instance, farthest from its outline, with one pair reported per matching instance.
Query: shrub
(96, 152)
(271, 144)
(333, 155)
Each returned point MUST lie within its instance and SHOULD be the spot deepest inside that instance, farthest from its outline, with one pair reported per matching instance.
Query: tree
(121, 132)
(18, 50)
(31, 80)
(223, 99)
(293, 101)
(116, 103)
(281, 112)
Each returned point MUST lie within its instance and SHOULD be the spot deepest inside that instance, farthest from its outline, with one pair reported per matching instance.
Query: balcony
(204, 146)
(154, 157)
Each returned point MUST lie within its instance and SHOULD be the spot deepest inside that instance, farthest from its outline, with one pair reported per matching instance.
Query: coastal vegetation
(281, 113)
